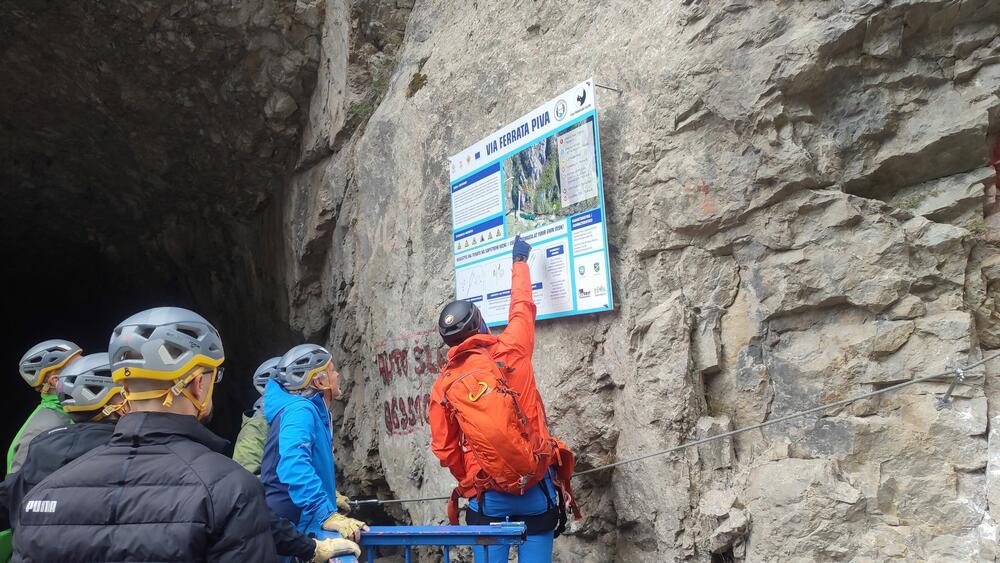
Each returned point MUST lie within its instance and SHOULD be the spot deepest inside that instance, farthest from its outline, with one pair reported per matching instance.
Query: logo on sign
(560, 111)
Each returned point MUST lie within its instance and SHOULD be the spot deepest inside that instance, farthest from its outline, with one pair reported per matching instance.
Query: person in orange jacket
(465, 423)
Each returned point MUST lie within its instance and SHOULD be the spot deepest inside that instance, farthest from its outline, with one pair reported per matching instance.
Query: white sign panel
(538, 177)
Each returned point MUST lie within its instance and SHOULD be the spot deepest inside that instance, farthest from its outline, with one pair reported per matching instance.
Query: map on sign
(538, 177)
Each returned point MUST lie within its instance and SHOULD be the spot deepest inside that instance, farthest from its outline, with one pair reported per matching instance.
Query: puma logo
(40, 506)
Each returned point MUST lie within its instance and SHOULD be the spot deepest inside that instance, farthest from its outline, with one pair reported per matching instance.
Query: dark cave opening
(139, 168)
(69, 289)
(63, 289)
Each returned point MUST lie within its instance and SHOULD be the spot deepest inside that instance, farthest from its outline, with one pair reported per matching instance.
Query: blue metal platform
(478, 537)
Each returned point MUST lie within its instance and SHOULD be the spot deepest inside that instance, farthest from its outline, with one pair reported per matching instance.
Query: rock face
(800, 199)
(801, 207)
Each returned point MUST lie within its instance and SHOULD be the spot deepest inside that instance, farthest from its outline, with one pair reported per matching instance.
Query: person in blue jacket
(297, 469)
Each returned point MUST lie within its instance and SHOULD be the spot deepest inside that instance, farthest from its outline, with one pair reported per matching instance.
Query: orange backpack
(513, 455)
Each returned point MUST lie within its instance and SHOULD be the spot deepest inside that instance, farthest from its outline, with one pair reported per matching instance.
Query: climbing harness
(959, 373)
(554, 517)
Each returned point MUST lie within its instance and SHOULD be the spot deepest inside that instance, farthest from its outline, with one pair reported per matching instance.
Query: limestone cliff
(801, 209)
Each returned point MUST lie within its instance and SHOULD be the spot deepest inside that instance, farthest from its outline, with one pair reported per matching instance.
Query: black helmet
(458, 321)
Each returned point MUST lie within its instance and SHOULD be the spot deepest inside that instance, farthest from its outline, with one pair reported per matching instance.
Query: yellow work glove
(343, 503)
(346, 527)
(329, 548)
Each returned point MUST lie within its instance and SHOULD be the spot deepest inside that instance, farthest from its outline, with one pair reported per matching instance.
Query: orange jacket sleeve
(445, 436)
(520, 332)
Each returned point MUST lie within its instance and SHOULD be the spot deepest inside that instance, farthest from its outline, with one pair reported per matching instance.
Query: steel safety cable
(955, 372)
(786, 418)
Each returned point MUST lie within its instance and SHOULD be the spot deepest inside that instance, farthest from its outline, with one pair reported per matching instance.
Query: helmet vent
(145, 331)
(95, 389)
(35, 359)
(302, 361)
(173, 350)
(188, 332)
(213, 348)
(130, 355)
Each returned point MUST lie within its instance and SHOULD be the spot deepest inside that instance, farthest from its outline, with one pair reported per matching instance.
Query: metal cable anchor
(945, 400)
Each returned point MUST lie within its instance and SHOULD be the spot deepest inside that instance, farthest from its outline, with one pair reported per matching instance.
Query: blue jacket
(297, 468)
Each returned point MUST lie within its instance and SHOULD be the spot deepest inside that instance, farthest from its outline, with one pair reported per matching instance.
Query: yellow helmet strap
(177, 389)
(311, 380)
(111, 408)
(44, 374)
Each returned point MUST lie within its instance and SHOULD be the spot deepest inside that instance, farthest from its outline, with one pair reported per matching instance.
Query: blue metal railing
(478, 537)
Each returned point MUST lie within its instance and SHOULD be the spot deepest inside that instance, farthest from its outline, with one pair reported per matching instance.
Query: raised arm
(520, 332)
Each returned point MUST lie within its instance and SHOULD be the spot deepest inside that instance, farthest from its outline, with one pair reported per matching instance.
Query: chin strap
(46, 373)
(110, 408)
(176, 390)
(336, 396)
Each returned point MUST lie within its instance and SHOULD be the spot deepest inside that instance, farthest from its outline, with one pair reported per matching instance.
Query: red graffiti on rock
(410, 361)
(405, 415)
(411, 357)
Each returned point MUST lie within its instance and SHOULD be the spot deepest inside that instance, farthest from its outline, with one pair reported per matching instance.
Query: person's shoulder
(83, 428)
(223, 464)
(298, 409)
(54, 439)
(88, 470)
(211, 466)
(226, 477)
(51, 417)
(54, 433)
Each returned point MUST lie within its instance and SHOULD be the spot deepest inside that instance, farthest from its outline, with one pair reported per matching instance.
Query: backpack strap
(563, 517)
(453, 507)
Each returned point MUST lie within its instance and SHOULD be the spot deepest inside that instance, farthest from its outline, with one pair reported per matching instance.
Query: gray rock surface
(798, 212)
(801, 207)
(796, 201)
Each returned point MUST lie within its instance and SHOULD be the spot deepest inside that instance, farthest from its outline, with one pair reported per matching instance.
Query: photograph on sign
(551, 179)
(538, 177)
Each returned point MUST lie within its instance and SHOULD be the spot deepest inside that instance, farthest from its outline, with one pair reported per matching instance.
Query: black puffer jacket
(48, 452)
(159, 491)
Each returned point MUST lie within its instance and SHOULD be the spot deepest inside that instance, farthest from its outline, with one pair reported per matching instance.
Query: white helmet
(86, 384)
(266, 370)
(300, 364)
(45, 357)
(165, 344)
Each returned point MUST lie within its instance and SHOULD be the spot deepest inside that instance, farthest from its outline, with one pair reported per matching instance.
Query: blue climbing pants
(536, 500)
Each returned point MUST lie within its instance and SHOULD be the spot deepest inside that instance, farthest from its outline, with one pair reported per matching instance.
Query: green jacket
(47, 415)
(250, 442)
